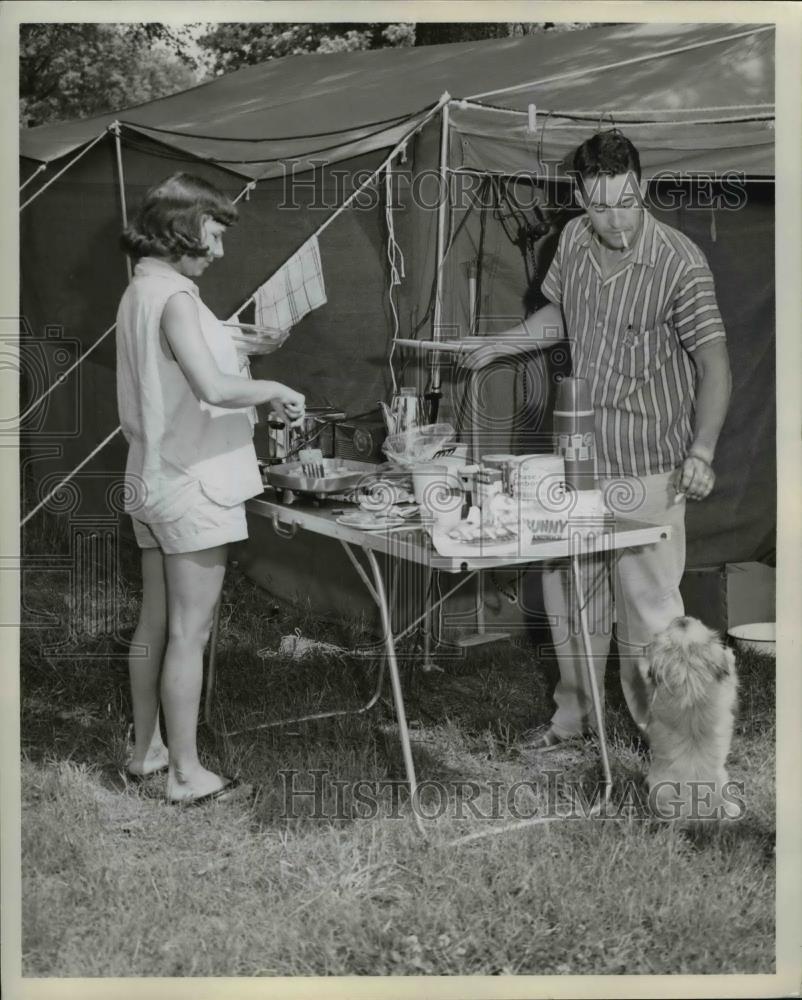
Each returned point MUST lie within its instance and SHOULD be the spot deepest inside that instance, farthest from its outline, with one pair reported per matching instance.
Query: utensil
(311, 460)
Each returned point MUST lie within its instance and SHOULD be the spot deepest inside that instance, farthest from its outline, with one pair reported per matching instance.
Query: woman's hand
(289, 405)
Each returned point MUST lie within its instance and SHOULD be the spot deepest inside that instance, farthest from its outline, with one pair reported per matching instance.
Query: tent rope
(573, 74)
(39, 169)
(394, 254)
(64, 374)
(63, 170)
(592, 115)
(67, 478)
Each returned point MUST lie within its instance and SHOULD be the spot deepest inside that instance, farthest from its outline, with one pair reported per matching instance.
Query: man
(640, 313)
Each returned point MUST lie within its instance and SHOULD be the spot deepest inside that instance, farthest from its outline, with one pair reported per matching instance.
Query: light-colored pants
(645, 582)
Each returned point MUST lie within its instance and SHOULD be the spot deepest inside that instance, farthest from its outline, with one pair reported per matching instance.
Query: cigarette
(624, 241)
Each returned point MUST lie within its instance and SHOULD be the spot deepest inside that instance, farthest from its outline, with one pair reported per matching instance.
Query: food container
(757, 637)
(539, 478)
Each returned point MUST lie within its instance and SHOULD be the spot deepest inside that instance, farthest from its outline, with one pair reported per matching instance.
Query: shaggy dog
(691, 722)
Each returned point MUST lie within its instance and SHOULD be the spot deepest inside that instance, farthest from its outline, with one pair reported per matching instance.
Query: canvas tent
(293, 138)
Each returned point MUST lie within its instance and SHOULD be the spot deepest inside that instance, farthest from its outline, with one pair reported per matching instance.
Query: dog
(694, 695)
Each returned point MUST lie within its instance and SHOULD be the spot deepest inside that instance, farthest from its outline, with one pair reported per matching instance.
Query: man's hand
(697, 478)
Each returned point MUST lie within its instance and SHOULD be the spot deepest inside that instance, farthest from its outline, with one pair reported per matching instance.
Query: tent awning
(335, 106)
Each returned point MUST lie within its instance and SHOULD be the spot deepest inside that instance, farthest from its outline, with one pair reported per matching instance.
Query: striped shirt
(631, 337)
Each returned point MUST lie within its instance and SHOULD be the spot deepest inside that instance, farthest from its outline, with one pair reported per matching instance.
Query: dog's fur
(690, 725)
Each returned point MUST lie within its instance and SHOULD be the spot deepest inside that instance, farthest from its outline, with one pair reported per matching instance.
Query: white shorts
(204, 526)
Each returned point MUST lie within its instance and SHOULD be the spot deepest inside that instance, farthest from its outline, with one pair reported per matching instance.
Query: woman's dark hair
(168, 222)
(609, 153)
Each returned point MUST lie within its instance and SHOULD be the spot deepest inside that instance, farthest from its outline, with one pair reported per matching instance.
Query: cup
(438, 491)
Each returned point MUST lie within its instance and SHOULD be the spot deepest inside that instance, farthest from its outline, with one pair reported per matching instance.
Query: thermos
(574, 433)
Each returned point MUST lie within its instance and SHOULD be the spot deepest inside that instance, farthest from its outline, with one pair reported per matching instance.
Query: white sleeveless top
(176, 441)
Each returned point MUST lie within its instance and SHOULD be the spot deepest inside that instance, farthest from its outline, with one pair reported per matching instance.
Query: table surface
(412, 542)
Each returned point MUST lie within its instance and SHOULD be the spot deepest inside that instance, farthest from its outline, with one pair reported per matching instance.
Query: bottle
(574, 433)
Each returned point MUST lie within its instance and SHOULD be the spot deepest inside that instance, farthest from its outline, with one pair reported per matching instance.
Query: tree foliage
(78, 70)
(232, 46)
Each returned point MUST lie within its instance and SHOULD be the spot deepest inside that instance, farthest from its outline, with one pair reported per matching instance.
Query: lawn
(338, 881)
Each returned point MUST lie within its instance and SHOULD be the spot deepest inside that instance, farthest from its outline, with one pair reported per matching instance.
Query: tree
(78, 70)
(232, 46)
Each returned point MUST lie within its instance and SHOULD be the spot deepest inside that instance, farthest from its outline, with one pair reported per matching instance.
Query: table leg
(594, 688)
(395, 681)
(426, 625)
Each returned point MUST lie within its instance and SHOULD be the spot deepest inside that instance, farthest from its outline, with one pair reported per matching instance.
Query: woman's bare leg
(194, 581)
(144, 667)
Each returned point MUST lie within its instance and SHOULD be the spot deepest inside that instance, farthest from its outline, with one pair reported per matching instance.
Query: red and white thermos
(574, 437)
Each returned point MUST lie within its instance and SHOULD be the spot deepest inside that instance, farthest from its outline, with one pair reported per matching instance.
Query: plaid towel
(294, 290)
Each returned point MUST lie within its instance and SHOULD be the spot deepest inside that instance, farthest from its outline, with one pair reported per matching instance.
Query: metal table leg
(378, 593)
(594, 688)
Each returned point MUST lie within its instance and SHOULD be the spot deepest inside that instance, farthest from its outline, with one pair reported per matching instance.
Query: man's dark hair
(609, 153)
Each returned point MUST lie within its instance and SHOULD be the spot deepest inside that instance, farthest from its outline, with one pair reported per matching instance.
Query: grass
(116, 883)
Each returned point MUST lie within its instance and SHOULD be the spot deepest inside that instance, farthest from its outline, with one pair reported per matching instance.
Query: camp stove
(339, 476)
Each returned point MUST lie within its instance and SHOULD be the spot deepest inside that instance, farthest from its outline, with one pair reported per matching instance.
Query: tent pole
(441, 253)
(115, 128)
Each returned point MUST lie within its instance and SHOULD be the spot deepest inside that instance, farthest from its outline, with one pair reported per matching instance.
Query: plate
(369, 522)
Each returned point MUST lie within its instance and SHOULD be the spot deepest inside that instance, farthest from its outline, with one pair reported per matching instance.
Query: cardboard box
(733, 594)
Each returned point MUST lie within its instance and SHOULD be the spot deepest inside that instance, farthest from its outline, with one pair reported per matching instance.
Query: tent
(358, 147)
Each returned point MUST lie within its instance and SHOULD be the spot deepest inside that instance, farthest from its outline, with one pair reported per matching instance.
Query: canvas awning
(340, 105)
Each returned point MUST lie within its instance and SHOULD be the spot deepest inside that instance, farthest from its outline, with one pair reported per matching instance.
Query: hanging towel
(294, 290)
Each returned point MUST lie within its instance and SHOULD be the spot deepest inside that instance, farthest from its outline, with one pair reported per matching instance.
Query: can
(574, 433)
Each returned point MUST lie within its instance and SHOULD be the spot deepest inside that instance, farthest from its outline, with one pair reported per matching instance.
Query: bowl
(759, 637)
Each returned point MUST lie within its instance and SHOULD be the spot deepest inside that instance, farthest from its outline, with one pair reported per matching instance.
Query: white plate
(369, 522)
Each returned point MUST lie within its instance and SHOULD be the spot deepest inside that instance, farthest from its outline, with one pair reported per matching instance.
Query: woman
(185, 412)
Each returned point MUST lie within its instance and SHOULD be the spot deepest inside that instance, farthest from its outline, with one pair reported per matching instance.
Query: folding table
(412, 543)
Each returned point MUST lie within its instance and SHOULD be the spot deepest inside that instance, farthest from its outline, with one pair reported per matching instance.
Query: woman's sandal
(219, 795)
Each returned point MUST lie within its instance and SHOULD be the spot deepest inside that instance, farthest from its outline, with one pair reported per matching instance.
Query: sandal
(233, 789)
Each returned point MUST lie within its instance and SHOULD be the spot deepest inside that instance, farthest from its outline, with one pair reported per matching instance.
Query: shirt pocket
(642, 351)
